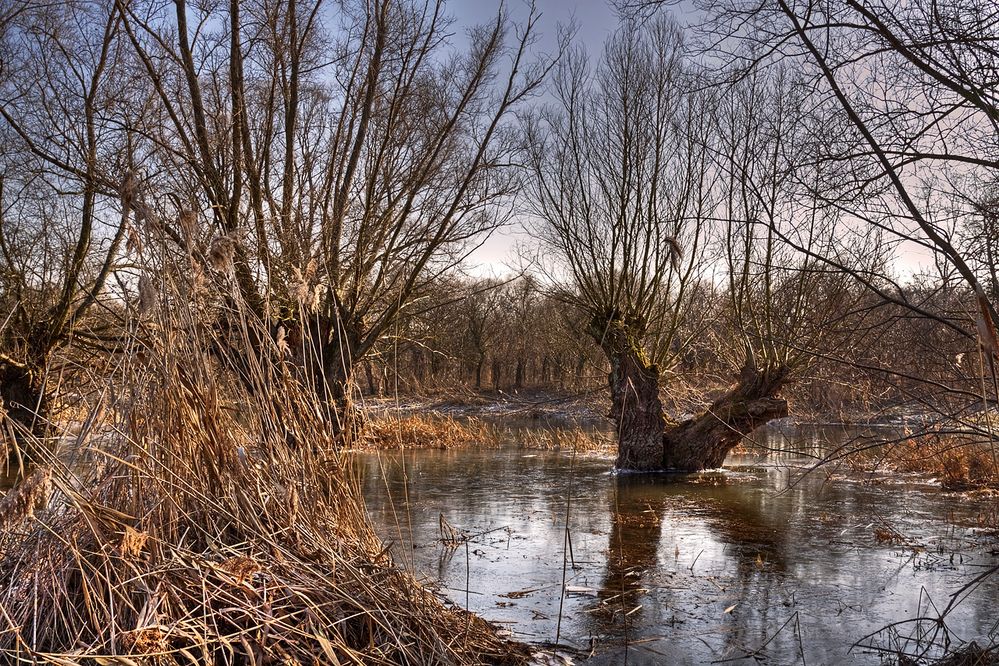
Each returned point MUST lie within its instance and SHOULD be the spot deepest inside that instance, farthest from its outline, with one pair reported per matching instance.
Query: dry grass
(988, 519)
(960, 464)
(22, 501)
(203, 520)
(428, 431)
(572, 438)
(970, 654)
(438, 431)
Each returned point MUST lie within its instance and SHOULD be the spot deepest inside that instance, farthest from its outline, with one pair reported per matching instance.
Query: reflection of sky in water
(659, 559)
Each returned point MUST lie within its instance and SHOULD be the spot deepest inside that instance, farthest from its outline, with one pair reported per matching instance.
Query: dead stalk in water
(565, 546)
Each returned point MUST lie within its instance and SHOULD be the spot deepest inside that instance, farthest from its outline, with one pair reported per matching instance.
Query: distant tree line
(512, 335)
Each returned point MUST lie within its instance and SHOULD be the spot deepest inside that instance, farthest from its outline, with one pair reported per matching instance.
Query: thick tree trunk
(580, 367)
(374, 388)
(704, 441)
(635, 406)
(637, 412)
(337, 388)
(419, 368)
(24, 420)
(329, 358)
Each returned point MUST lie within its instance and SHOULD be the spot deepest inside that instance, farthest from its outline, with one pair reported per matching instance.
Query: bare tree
(633, 167)
(481, 314)
(65, 111)
(620, 182)
(351, 154)
(785, 309)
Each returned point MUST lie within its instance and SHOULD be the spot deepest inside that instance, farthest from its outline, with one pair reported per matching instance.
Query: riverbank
(553, 408)
(590, 407)
(892, 444)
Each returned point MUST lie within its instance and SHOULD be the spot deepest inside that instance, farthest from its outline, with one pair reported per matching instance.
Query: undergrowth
(958, 462)
(428, 431)
(392, 431)
(205, 514)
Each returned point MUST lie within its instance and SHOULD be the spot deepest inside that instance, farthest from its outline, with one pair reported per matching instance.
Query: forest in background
(512, 336)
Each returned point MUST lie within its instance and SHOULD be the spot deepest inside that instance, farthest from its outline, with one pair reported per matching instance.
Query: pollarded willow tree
(645, 191)
(620, 193)
(786, 309)
(344, 155)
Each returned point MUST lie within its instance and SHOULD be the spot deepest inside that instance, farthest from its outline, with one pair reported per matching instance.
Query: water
(686, 569)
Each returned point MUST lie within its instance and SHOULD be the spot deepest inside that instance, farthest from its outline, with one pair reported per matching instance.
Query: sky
(595, 19)
(594, 22)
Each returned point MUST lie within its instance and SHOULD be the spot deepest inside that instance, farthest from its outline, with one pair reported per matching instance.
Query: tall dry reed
(428, 431)
(206, 515)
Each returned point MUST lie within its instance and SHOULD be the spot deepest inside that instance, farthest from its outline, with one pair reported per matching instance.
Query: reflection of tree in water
(631, 603)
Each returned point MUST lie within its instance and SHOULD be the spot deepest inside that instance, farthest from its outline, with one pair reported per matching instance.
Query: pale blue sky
(595, 18)
(594, 21)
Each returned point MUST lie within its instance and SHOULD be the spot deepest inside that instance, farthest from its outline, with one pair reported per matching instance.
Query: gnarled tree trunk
(704, 441)
(635, 405)
(332, 356)
(25, 412)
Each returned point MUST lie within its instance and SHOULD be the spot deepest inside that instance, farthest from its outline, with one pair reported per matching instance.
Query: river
(756, 563)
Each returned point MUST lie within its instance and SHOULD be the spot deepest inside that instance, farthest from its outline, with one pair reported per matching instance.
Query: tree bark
(704, 441)
(326, 351)
(374, 388)
(635, 405)
(26, 407)
(478, 373)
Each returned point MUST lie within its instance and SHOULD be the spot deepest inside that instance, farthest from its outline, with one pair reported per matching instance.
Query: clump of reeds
(970, 654)
(959, 462)
(20, 503)
(573, 438)
(428, 431)
(988, 519)
(441, 431)
(212, 520)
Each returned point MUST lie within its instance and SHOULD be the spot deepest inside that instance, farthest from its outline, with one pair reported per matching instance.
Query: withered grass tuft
(959, 462)
(432, 430)
(207, 515)
(571, 438)
(428, 431)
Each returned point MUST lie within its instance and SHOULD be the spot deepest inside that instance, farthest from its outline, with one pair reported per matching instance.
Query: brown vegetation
(959, 462)
(575, 438)
(194, 520)
(215, 216)
(427, 431)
